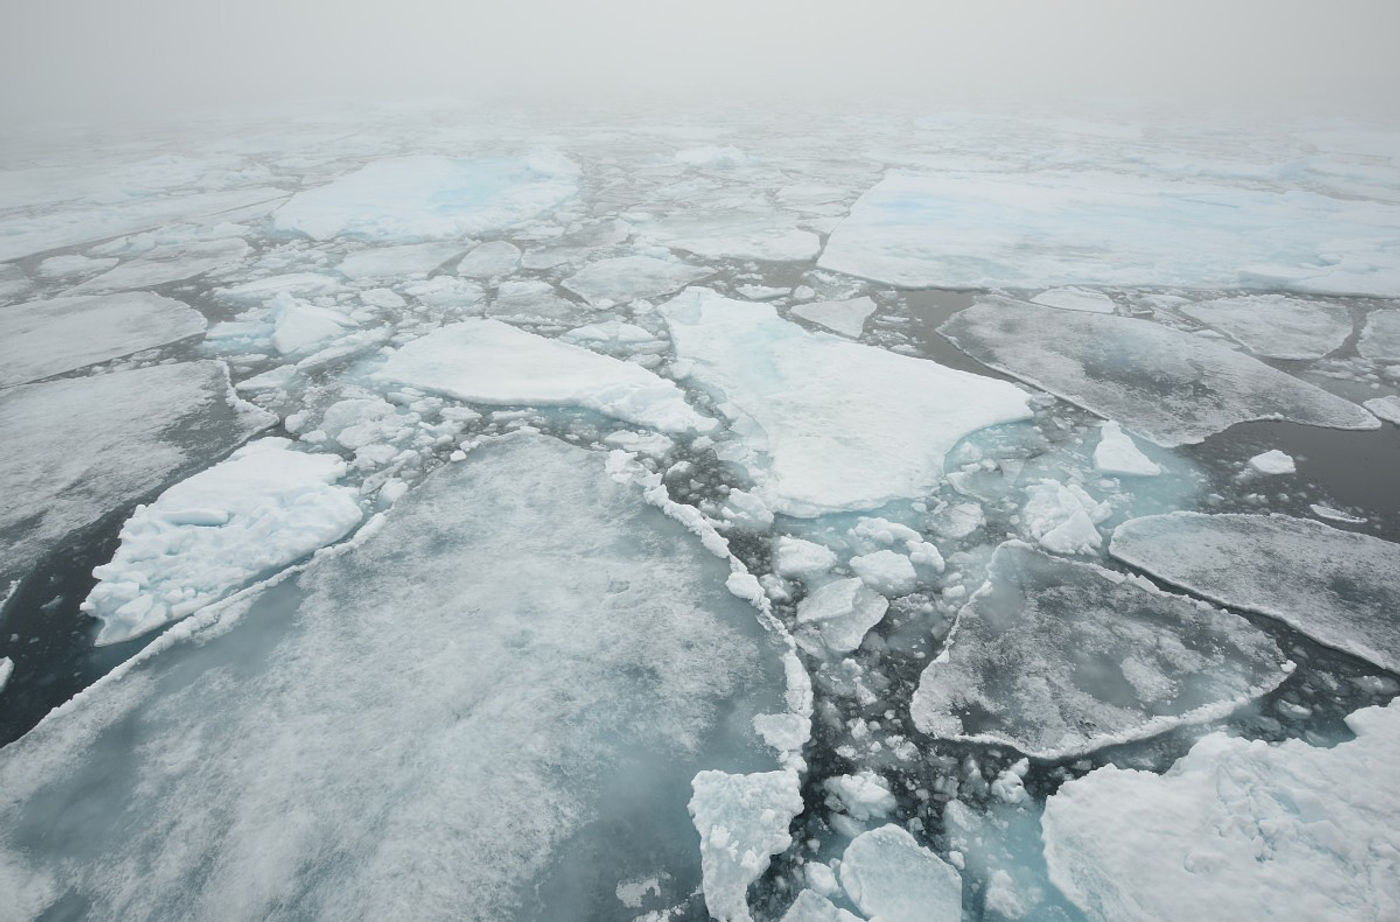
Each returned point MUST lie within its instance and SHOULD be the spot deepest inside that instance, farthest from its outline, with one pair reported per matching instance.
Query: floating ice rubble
(891, 878)
(1116, 454)
(835, 617)
(831, 425)
(401, 706)
(43, 338)
(742, 820)
(989, 229)
(1276, 326)
(626, 278)
(1338, 587)
(92, 445)
(246, 517)
(1058, 658)
(1237, 829)
(844, 317)
(1170, 387)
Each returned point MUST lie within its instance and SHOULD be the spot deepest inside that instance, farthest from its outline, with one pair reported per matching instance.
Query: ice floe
(411, 260)
(1338, 587)
(1076, 299)
(490, 260)
(844, 317)
(1272, 463)
(1380, 338)
(1116, 454)
(892, 878)
(743, 821)
(1062, 518)
(626, 278)
(1058, 658)
(835, 617)
(1276, 326)
(1386, 408)
(811, 906)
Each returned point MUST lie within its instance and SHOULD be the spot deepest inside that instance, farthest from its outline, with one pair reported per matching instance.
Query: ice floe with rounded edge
(1237, 829)
(490, 260)
(412, 260)
(1340, 588)
(743, 821)
(1276, 326)
(1076, 299)
(846, 318)
(1386, 408)
(1059, 658)
(1116, 454)
(1272, 463)
(1167, 386)
(1380, 338)
(832, 425)
(811, 906)
(627, 278)
(835, 617)
(892, 878)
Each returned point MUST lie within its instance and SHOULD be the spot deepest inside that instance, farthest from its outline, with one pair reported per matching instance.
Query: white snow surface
(991, 229)
(892, 878)
(1276, 326)
(1272, 463)
(1061, 517)
(846, 318)
(863, 795)
(1340, 588)
(626, 278)
(427, 197)
(801, 558)
(811, 906)
(1237, 829)
(1116, 454)
(242, 519)
(835, 617)
(743, 821)
(885, 571)
(42, 338)
(487, 361)
(832, 425)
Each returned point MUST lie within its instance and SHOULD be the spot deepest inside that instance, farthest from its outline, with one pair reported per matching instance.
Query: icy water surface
(453, 514)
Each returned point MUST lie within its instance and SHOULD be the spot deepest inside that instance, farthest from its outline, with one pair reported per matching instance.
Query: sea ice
(834, 425)
(1058, 658)
(486, 361)
(7, 668)
(887, 572)
(1386, 408)
(811, 906)
(490, 260)
(844, 317)
(734, 234)
(1061, 518)
(627, 278)
(1272, 463)
(995, 230)
(1076, 299)
(173, 263)
(801, 558)
(1116, 454)
(892, 878)
(411, 260)
(399, 732)
(242, 519)
(299, 326)
(1237, 829)
(835, 617)
(862, 796)
(429, 197)
(43, 338)
(80, 448)
(1276, 326)
(1167, 386)
(743, 821)
(1338, 587)
(1380, 339)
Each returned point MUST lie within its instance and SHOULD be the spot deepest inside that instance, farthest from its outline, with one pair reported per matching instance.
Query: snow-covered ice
(835, 617)
(887, 572)
(743, 821)
(486, 361)
(7, 668)
(174, 263)
(1062, 518)
(1238, 829)
(490, 260)
(43, 338)
(1380, 338)
(626, 278)
(410, 260)
(811, 906)
(892, 878)
(1340, 588)
(834, 425)
(80, 448)
(1058, 658)
(801, 558)
(1272, 463)
(1116, 454)
(1076, 299)
(844, 317)
(247, 517)
(862, 795)
(1386, 408)
(753, 233)
(1276, 326)
(1167, 386)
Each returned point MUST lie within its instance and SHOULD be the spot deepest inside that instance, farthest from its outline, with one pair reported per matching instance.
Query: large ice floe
(1237, 829)
(891, 878)
(990, 229)
(1340, 588)
(479, 709)
(1167, 386)
(426, 197)
(43, 338)
(1276, 326)
(80, 448)
(626, 278)
(487, 361)
(249, 516)
(832, 425)
(1058, 658)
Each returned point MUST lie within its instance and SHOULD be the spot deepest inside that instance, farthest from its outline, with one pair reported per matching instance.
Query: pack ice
(80, 448)
(487, 361)
(1276, 326)
(455, 717)
(1237, 829)
(426, 197)
(1170, 387)
(1340, 588)
(1030, 230)
(43, 338)
(1058, 658)
(832, 425)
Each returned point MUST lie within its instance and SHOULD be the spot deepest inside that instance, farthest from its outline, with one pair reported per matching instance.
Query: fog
(62, 58)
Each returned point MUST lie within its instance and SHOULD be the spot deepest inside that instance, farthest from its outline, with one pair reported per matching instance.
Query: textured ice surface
(1058, 658)
(79, 448)
(844, 317)
(1168, 386)
(1238, 829)
(245, 518)
(7, 666)
(1386, 408)
(835, 617)
(1116, 454)
(299, 326)
(42, 338)
(487, 361)
(835, 425)
(887, 572)
(801, 558)
(490, 260)
(173, 263)
(988, 230)
(754, 233)
(811, 906)
(626, 278)
(743, 821)
(1076, 299)
(1272, 463)
(863, 795)
(1380, 339)
(426, 197)
(892, 878)
(1338, 587)
(1061, 518)
(430, 725)
(411, 260)
(1276, 326)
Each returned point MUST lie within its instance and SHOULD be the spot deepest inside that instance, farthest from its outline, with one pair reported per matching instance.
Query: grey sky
(149, 56)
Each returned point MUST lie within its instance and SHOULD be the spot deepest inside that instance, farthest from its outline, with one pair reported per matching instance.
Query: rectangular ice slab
(79, 448)
(834, 425)
(487, 361)
(430, 725)
(1031, 230)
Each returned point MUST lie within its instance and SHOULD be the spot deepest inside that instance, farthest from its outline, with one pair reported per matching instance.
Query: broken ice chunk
(298, 326)
(1387, 408)
(1276, 326)
(801, 558)
(863, 795)
(1058, 658)
(1380, 339)
(1116, 454)
(743, 821)
(1272, 463)
(844, 317)
(811, 906)
(490, 260)
(1076, 299)
(627, 278)
(1062, 518)
(887, 572)
(7, 668)
(892, 878)
(836, 616)
(414, 260)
